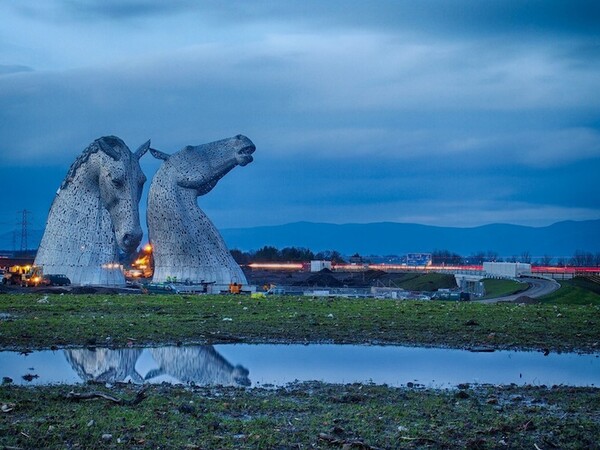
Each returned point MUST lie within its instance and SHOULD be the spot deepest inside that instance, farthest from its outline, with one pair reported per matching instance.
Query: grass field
(499, 288)
(36, 321)
(578, 291)
(301, 415)
(425, 282)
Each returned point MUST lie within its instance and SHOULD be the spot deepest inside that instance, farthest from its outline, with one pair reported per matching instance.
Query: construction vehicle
(25, 276)
(14, 274)
(34, 277)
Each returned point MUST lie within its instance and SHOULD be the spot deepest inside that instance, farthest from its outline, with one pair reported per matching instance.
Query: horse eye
(118, 182)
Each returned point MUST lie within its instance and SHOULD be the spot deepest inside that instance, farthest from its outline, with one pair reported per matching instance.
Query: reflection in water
(281, 364)
(105, 365)
(200, 365)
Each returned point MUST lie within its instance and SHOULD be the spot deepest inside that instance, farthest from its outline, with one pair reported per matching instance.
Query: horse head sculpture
(186, 244)
(121, 182)
(200, 167)
(95, 214)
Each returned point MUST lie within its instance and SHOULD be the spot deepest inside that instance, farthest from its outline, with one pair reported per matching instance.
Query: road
(538, 287)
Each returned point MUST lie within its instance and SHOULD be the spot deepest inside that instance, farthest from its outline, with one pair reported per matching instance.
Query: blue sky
(448, 112)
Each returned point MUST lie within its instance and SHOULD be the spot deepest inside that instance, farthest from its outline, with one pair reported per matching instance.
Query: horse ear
(158, 154)
(109, 150)
(142, 149)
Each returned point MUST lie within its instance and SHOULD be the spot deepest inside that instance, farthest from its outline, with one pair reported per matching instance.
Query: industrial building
(318, 265)
(506, 269)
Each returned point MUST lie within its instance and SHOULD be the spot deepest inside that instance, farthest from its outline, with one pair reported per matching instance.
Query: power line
(24, 244)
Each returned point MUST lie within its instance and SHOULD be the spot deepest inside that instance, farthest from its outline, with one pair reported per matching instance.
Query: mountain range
(561, 239)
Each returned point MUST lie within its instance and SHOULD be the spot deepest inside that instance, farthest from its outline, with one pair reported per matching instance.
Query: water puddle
(260, 365)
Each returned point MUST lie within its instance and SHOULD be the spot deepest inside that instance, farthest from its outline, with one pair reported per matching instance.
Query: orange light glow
(147, 248)
(282, 266)
(350, 267)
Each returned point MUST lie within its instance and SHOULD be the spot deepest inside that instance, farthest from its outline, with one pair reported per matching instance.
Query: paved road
(538, 287)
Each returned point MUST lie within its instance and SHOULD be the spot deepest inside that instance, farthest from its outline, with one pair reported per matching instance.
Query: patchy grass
(310, 415)
(499, 288)
(112, 320)
(578, 291)
(425, 282)
(305, 415)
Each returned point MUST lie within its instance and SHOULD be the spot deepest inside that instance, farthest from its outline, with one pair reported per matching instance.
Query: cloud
(434, 189)
(61, 10)
(9, 69)
(124, 9)
(316, 99)
(397, 110)
(533, 148)
(453, 17)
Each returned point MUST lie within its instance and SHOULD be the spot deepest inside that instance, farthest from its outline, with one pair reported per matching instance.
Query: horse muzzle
(244, 155)
(129, 242)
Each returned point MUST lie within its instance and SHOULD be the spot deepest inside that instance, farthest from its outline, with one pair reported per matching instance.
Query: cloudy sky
(449, 112)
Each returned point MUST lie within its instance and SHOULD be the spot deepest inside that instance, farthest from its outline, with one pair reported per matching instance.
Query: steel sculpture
(186, 245)
(95, 215)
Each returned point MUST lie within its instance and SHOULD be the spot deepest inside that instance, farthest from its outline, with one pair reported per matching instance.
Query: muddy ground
(299, 416)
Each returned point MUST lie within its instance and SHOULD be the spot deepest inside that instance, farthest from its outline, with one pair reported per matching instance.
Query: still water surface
(258, 365)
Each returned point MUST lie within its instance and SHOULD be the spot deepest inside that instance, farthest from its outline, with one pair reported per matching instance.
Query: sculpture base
(206, 274)
(83, 276)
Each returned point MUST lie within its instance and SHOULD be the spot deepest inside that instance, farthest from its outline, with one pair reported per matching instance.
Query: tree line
(580, 258)
(268, 253)
(287, 254)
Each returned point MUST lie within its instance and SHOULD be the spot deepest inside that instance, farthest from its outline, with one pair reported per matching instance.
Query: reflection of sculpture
(186, 244)
(105, 365)
(201, 365)
(94, 214)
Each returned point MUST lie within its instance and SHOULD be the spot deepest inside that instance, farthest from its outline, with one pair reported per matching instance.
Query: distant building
(470, 284)
(506, 270)
(418, 259)
(8, 259)
(356, 259)
(318, 265)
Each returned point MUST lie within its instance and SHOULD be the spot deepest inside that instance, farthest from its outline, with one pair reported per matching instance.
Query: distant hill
(387, 238)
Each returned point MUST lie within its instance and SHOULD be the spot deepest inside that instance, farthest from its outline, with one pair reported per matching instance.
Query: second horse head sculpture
(186, 245)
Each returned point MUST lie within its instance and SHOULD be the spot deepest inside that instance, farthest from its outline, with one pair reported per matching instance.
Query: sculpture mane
(186, 245)
(108, 144)
(94, 215)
